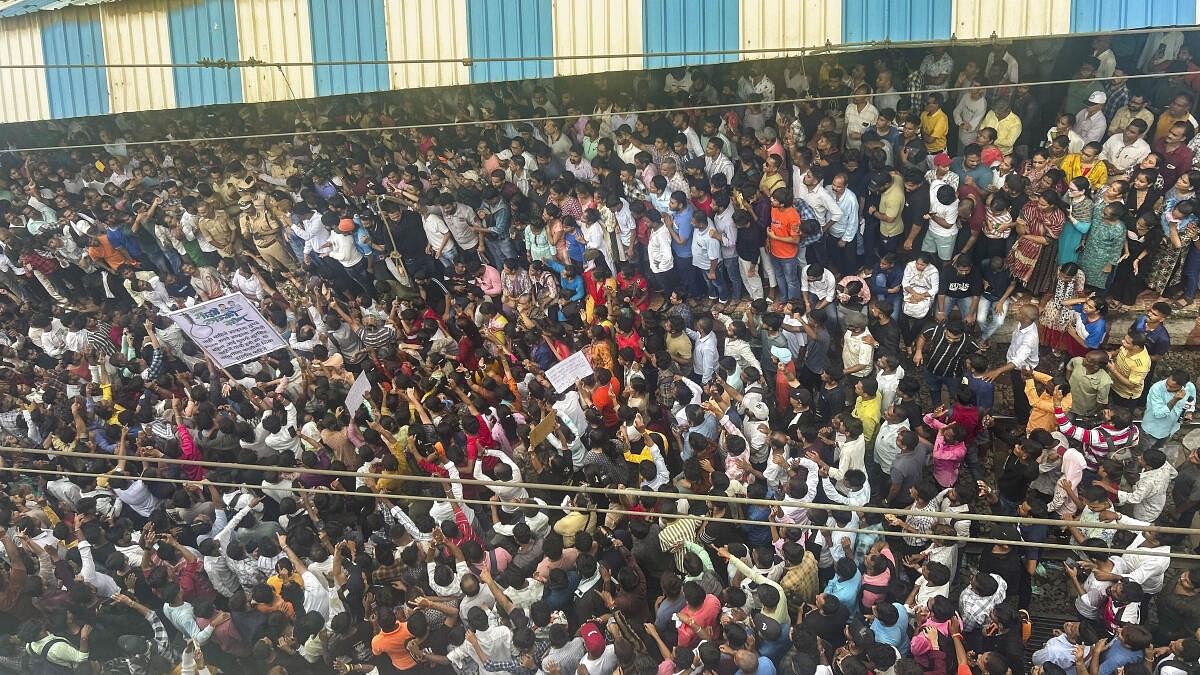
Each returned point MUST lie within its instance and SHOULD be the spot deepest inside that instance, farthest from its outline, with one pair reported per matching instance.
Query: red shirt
(638, 290)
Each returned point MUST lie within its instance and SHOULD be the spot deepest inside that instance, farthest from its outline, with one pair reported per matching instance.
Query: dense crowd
(803, 304)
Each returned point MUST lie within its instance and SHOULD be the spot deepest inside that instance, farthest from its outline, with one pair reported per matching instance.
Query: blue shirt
(683, 228)
(1159, 420)
(118, 238)
(847, 591)
(846, 227)
(1117, 655)
(1094, 331)
(982, 175)
(1158, 341)
(883, 279)
(895, 635)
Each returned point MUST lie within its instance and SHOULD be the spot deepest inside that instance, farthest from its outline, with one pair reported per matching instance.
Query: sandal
(1181, 303)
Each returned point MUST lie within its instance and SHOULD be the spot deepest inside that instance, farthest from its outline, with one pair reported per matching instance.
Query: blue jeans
(732, 275)
(990, 322)
(787, 272)
(963, 305)
(936, 382)
(715, 287)
(690, 278)
(499, 250)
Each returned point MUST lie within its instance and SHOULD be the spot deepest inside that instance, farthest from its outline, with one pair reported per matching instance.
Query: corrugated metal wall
(510, 28)
(277, 31)
(136, 32)
(1093, 15)
(767, 24)
(181, 32)
(690, 25)
(26, 98)
(895, 20)
(73, 35)
(349, 30)
(583, 27)
(410, 25)
(1011, 18)
(204, 29)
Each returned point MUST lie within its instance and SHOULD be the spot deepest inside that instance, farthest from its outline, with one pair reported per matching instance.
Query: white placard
(564, 374)
(229, 329)
(358, 393)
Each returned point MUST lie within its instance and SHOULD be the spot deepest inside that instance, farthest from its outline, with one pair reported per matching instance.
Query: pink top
(706, 616)
(947, 457)
(489, 280)
(189, 451)
(869, 598)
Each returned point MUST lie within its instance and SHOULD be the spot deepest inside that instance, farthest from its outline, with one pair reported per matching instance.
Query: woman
(1128, 281)
(1079, 220)
(1166, 269)
(1105, 243)
(1143, 197)
(920, 285)
(1086, 164)
(1057, 316)
(997, 227)
(1036, 166)
(1088, 327)
(1178, 231)
(1032, 260)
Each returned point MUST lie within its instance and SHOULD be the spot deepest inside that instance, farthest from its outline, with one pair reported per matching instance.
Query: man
(1022, 355)
(1135, 109)
(1167, 403)
(935, 126)
(1089, 122)
(885, 92)
(1006, 123)
(1179, 110)
(970, 166)
(1078, 92)
(821, 201)
(860, 116)
(1060, 649)
(1153, 325)
(1122, 152)
(783, 243)
(715, 160)
(948, 348)
(840, 248)
(1090, 383)
(1116, 432)
(1129, 368)
(1148, 496)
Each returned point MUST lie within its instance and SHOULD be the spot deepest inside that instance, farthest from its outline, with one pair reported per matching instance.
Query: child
(949, 448)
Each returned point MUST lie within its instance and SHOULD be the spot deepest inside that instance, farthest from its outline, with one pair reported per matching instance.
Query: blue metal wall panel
(1097, 15)
(204, 29)
(688, 26)
(510, 28)
(74, 37)
(896, 20)
(349, 30)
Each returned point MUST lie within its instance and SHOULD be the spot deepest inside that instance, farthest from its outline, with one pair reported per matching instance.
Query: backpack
(38, 663)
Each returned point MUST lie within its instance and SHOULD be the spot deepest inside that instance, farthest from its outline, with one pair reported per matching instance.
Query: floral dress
(1055, 318)
(1167, 269)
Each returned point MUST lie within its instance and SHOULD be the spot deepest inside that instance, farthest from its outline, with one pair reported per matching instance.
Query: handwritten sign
(564, 374)
(229, 329)
(358, 393)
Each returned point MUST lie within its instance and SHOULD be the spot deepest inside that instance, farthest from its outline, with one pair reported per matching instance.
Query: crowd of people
(790, 312)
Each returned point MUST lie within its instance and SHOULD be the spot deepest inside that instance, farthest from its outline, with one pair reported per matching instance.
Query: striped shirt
(945, 356)
(1098, 441)
(377, 338)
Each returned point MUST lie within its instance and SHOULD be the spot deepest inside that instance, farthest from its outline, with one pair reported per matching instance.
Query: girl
(949, 449)
(1143, 197)
(1128, 280)
(1089, 329)
(997, 226)
(1057, 316)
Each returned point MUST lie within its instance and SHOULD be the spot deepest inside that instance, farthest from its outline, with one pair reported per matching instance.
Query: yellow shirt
(1134, 367)
(868, 412)
(1072, 166)
(1007, 130)
(934, 128)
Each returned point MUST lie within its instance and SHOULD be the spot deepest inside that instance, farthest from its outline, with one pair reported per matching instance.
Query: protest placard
(564, 374)
(229, 329)
(358, 392)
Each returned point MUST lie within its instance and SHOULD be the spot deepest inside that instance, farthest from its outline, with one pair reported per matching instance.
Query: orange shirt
(785, 222)
(392, 644)
(604, 398)
(108, 255)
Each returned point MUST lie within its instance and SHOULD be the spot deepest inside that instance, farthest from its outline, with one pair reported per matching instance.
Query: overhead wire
(610, 492)
(519, 120)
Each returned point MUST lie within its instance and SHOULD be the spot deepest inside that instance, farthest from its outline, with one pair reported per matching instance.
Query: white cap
(1098, 97)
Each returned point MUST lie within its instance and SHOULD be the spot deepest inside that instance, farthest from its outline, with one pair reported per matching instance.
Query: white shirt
(437, 233)
(888, 383)
(1124, 157)
(313, 232)
(823, 289)
(858, 121)
(1023, 350)
(820, 200)
(718, 164)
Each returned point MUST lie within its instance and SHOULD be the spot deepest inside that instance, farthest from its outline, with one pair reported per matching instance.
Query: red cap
(941, 159)
(593, 639)
(346, 225)
(991, 156)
